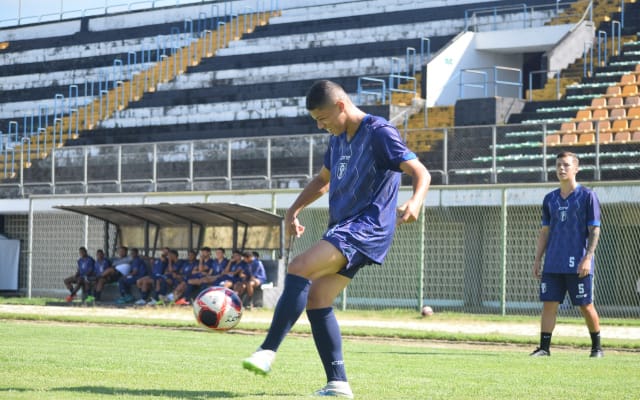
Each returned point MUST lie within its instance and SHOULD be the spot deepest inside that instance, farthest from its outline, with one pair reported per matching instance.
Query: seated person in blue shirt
(102, 264)
(137, 271)
(155, 281)
(111, 274)
(252, 277)
(218, 265)
(199, 278)
(231, 274)
(189, 271)
(84, 272)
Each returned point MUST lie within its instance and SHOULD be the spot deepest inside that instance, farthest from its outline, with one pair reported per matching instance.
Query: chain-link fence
(472, 251)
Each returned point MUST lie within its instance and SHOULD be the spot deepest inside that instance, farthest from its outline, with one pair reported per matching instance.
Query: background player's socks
(290, 305)
(545, 340)
(326, 334)
(595, 340)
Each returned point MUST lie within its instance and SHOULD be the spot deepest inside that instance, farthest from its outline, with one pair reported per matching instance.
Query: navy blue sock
(290, 305)
(326, 335)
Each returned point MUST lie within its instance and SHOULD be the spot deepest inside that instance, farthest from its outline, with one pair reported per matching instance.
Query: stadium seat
(622, 137)
(567, 127)
(628, 79)
(552, 140)
(599, 102)
(583, 115)
(613, 91)
(604, 125)
(634, 125)
(637, 68)
(635, 137)
(630, 90)
(600, 114)
(632, 101)
(569, 139)
(606, 137)
(634, 112)
(615, 102)
(584, 126)
(618, 113)
(620, 125)
(587, 138)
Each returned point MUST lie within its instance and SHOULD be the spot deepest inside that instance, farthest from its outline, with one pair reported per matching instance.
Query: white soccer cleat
(335, 389)
(260, 361)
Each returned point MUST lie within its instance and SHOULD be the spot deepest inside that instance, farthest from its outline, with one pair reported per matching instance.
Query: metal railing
(455, 155)
(63, 14)
(491, 82)
(491, 18)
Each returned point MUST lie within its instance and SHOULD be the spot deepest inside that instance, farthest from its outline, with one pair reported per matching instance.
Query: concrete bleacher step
(118, 98)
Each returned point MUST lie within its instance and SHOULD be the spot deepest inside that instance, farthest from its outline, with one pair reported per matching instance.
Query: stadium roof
(174, 224)
(171, 214)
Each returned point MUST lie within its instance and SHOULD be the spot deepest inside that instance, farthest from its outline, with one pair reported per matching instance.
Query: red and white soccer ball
(427, 311)
(217, 308)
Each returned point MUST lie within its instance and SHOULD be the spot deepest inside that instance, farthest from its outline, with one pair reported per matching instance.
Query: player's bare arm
(318, 186)
(541, 245)
(410, 210)
(592, 242)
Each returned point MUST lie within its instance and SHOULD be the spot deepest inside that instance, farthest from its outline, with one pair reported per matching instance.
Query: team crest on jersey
(342, 168)
(563, 213)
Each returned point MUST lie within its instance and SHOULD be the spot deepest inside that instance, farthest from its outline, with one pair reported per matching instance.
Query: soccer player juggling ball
(568, 239)
(361, 171)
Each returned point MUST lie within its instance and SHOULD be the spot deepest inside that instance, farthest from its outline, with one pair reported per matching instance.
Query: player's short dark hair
(221, 249)
(135, 251)
(237, 251)
(193, 251)
(564, 154)
(174, 252)
(83, 249)
(205, 248)
(322, 93)
(247, 254)
(255, 254)
(99, 251)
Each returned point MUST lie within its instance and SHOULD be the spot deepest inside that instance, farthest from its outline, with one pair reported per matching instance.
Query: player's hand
(408, 212)
(584, 268)
(537, 270)
(293, 226)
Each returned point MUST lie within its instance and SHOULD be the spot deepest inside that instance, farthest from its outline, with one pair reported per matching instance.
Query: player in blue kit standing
(361, 171)
(567, 240)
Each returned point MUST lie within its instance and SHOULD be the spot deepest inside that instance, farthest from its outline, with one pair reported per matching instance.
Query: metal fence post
(503, 261)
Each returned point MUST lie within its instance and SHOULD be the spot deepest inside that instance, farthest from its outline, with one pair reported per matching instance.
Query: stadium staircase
(600, 105)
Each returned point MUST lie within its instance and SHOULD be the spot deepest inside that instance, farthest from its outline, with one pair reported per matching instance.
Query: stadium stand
(253, 88)
(593, 118)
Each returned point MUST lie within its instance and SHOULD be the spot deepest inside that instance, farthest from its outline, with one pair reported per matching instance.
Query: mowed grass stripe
(74, 361)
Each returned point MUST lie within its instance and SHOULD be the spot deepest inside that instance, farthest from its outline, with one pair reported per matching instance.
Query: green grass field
(61, 360)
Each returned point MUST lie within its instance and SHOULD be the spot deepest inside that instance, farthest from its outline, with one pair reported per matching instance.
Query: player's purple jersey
(363, 190)
(568, 221)
(218, 266)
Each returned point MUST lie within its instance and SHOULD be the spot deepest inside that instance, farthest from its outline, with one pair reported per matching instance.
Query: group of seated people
(167, 278)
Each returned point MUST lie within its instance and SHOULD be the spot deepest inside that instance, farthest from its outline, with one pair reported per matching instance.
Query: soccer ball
(217, 308)
(427, 311)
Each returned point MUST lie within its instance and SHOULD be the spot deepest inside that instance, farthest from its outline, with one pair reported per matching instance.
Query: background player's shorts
(355, 259)
(553, 287)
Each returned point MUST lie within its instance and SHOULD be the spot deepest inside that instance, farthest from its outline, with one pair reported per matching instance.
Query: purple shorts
(553, 287)
(355, 259)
